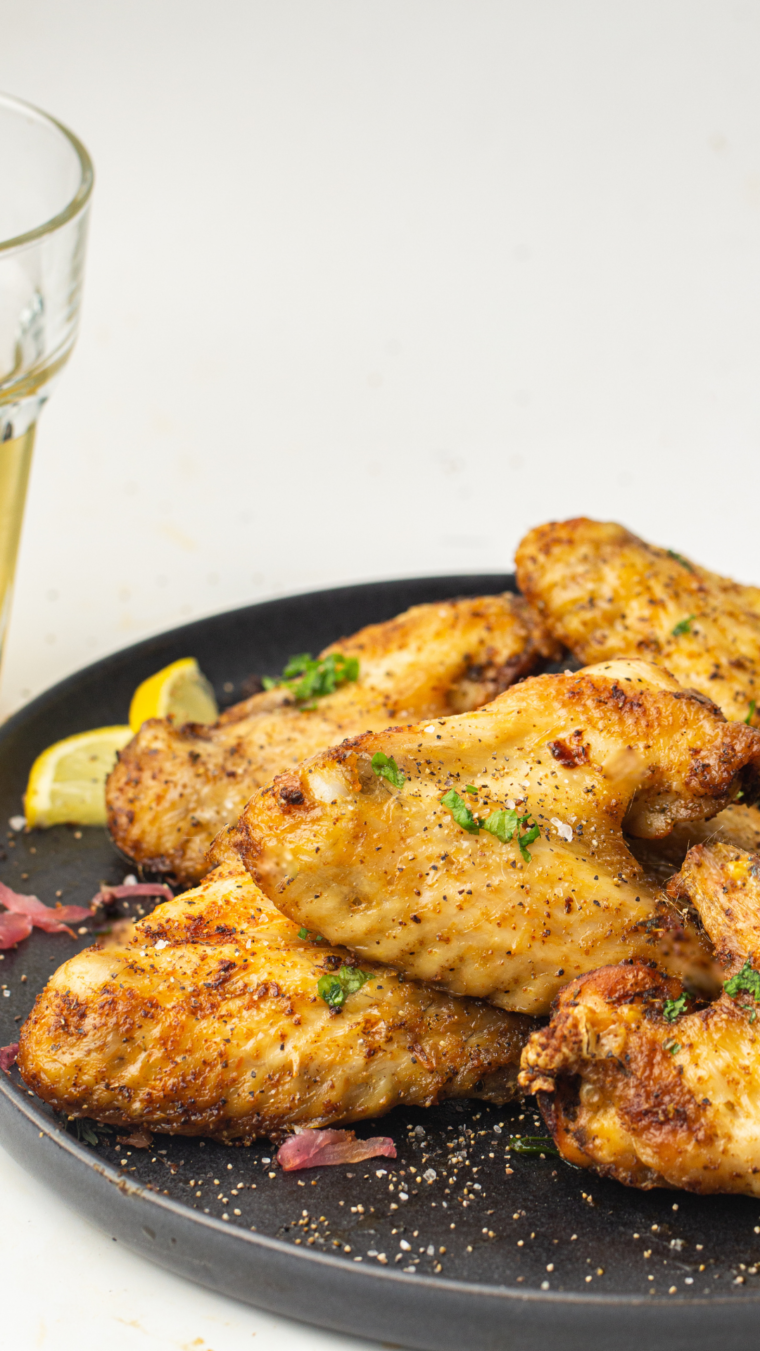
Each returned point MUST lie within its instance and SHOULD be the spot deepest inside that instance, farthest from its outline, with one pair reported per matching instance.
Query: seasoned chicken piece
(641, 1090)
(206, 1019)
(485, 852)
(605, 593)
(175, 787)
(737, 825)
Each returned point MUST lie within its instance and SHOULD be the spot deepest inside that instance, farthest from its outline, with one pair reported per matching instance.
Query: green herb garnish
(312, 679)
(335, 989)
(751, 714)
(386, 768)
(460, 811)
(672, 1046)
(303, 933)
(747, 979)
(503, 823)
(683, 561)
(673, 1008)
(92, 1132)
(533, 1145)
(470, 788)
(683, 626)
(527, 838)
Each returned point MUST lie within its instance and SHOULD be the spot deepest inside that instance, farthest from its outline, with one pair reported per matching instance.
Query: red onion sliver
(13, 928)
(123, 893)
(318, 1149)
(8, 1056)
(42, 916)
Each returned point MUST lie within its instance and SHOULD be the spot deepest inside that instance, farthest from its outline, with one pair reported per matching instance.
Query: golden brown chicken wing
(737, 825)
(605, 593)
(206, 1018)
(174, 788)
(485, 852)
(638, 1082)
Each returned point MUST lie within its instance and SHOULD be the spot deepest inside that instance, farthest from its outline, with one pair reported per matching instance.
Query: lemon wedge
(180, 691)
(67, 782)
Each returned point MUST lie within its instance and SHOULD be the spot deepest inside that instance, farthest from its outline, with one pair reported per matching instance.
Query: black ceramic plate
(444, 1248)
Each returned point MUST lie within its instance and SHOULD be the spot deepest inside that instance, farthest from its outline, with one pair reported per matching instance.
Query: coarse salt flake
(430, 1175)
(563, 829)
(17, 822)
(162, 943)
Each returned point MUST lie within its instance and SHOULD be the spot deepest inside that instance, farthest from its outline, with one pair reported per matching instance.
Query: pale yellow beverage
(45, 185)
(15, 463)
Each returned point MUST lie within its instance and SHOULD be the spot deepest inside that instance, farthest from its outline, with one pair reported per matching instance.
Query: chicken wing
(641, 1085)
(605, 593)
(174, 788)
(737, 825)
(484, 852)
(206, 1018)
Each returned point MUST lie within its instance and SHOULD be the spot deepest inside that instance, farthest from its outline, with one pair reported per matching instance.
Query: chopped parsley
(91, 1132)
(534, 1145)
(386, 768)
(745, 980)
(673, 1008)
(503, 823)
(303, 933)
(683, 626)
(335, 989)
(308, 678)
(751, 714)
(460, 811)
(683, 561)
(528, 838)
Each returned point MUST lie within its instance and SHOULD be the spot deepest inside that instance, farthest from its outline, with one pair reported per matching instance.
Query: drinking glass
(46, 181)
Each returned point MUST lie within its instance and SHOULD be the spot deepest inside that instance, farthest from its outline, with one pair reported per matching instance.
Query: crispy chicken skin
(652, 1101)
(391, 874)
(605, 593)
(737, 825)
(204, 1019)
(174, 788)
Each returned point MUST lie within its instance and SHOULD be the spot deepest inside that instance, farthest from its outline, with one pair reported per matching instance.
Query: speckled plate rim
(415, 1311)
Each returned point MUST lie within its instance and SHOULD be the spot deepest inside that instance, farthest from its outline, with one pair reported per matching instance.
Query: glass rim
(82, 195)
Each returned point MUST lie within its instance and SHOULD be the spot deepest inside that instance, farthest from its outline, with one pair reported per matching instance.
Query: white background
(373, 286)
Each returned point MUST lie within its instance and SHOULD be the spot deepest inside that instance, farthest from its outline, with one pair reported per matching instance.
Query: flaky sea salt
(563, 829)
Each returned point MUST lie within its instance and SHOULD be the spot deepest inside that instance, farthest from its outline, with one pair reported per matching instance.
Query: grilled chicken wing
(174, 788)
(639, 1090)
(205, 1019)
(737, 825)
(605, 593)
(397, 874)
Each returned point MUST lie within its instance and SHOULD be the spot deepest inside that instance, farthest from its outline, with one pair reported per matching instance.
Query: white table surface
(373, 286)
